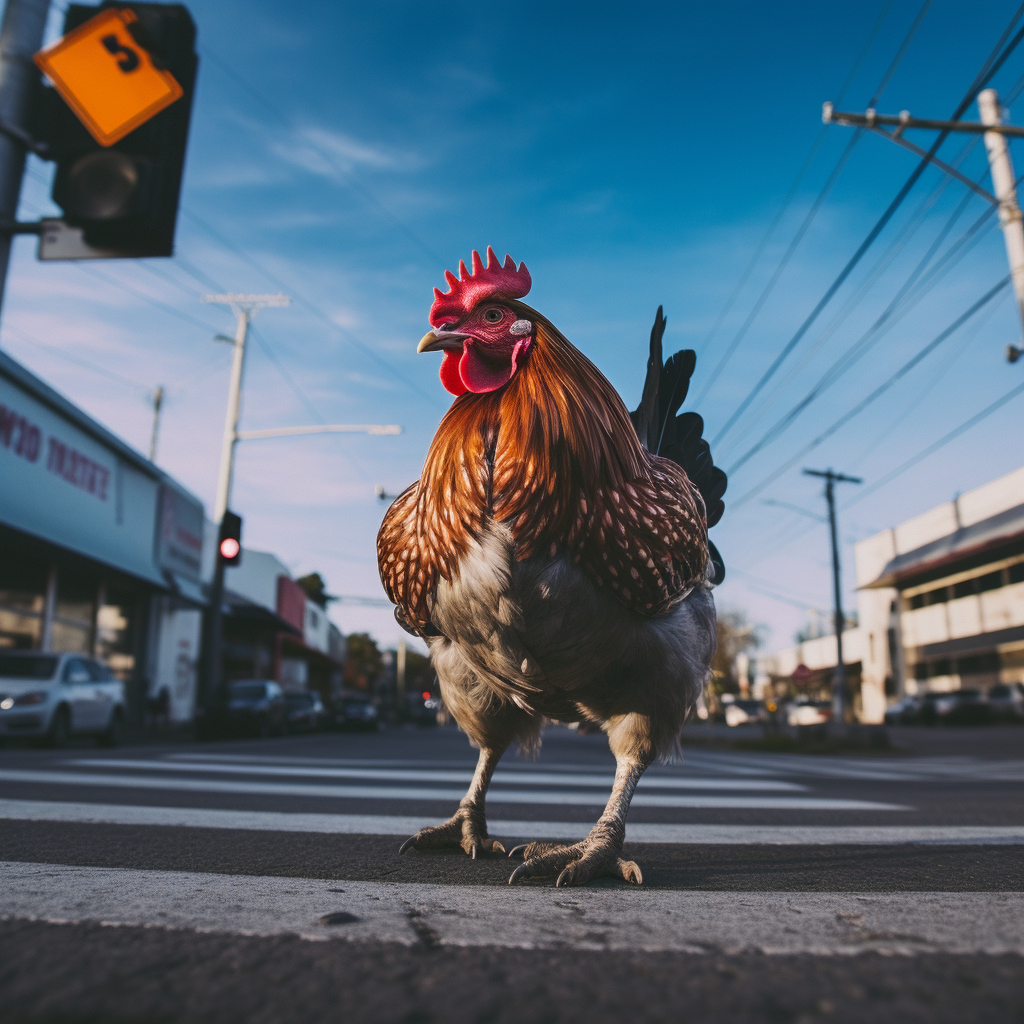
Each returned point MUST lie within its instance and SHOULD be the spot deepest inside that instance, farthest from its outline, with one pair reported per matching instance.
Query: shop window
(115, 631)
(920, 671)
(76, 597)
(917, 601)
(991, 581)
(69, 638)
(965, 588)
(978, 664)
(938, 596)
(22, 597)
(1017, 573)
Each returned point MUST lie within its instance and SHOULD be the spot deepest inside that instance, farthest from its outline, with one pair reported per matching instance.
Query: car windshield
(999, 690)
(27, 666)
(248, 691)
(970, 694)
(299, 699)
(748, 705)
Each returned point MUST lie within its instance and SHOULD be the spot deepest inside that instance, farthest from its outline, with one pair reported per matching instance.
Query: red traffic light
(426, 695)
(229, 540)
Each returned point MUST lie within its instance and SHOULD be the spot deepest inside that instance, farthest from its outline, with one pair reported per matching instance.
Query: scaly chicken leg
(467, 827)
(598, 854)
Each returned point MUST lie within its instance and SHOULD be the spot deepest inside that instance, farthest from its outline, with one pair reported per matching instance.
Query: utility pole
(158, 401)
(245, 308)
(21, 36)
(840, 702)
(1003, 181)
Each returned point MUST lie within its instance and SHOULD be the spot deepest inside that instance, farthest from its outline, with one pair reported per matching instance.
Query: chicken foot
(467, 827)
(596, 855)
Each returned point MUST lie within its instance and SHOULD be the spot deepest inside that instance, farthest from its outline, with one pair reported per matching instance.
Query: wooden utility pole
(840, 697)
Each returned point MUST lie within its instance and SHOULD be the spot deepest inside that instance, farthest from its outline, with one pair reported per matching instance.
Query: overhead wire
(790, 195)
(894, 311)
(307, 304)
(353, 183)
(877, 392)
(910, 293)
(957, 353)
(992, 64)
(896, 246)
(812, 212)
(937, 445)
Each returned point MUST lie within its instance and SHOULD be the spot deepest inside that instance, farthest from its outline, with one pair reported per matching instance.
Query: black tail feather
(679, 437)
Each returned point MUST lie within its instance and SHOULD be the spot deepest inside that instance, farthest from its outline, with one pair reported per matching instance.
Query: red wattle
(480, 374)
(450, 374)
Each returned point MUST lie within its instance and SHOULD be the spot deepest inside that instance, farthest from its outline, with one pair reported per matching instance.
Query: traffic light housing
(229, 539)
(124, 197)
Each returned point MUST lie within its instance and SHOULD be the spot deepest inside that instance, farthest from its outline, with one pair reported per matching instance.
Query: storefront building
(100, 551)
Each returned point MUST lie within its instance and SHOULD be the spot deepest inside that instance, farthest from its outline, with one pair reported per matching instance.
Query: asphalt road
(260, 881)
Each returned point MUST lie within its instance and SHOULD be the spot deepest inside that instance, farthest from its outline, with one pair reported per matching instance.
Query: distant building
(100, 550)
(941, 606)
(103, 553)
(942, 597)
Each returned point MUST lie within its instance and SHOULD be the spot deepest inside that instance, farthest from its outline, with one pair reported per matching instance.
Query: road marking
(522, 916)
(496, 795)
(406, 825)
(600, 780)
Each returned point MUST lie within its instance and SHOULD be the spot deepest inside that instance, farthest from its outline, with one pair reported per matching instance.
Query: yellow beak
(435, 341)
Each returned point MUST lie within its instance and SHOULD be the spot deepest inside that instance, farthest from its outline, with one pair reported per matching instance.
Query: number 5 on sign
(106, 78)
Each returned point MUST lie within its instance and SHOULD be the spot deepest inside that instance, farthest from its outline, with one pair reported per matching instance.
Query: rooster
(554, 555)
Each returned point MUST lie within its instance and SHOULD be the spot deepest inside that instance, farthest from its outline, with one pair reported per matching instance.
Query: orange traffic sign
(106, 78)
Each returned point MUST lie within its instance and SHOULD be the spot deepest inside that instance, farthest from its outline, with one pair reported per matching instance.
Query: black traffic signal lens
(100, 186)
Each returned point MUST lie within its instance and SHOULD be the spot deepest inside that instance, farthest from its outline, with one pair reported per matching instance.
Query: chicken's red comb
(466, 290)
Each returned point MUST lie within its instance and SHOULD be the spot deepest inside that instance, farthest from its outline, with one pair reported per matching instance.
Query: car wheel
(60, 729)
(113, 735)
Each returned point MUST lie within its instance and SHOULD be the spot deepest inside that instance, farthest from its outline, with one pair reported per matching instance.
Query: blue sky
(349, 153)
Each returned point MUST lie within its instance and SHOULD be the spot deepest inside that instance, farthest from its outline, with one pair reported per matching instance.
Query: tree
(363, 664)
(735, 636)
(316, 589)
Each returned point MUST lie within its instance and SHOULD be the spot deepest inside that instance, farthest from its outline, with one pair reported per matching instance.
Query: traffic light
(124, 196)
(229, 540)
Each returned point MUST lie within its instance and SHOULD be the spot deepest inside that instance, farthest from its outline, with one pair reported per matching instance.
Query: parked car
(57, 696)
(904, 711)
(803, 711)
(955, 707)
(743, 712)
(255, 707)
(304, 711)
(422, 707)
(355, 711)
(1006, 702)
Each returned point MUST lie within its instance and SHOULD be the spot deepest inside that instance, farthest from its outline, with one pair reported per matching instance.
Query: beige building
(941, 604)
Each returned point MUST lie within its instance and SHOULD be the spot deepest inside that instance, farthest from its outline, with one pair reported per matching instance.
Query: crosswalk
(397, 797)
(254, 801)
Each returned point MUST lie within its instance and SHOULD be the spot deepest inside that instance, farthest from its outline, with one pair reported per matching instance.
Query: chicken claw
(466, 830)
(576, 864)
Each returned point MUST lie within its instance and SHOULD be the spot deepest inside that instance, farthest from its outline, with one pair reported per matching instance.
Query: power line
(912, 291)
(957, 353)
(352, 182)
(895, 247)
(306, 303)
(992, 64)
(811, 214)
(877, 393)
(786, 202)
(941, 443)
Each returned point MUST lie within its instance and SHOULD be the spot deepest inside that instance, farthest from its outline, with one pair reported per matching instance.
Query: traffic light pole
(840, 696)
(21, 36)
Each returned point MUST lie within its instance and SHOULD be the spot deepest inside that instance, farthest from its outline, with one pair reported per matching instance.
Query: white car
(57, 696)
(808, 712)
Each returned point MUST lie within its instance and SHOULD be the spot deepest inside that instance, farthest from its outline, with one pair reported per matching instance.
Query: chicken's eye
(493, 316)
